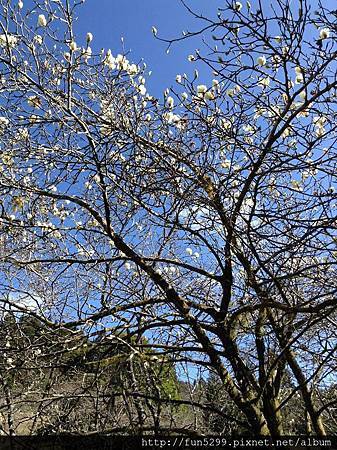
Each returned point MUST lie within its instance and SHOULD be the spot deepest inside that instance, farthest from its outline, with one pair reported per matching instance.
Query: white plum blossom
(209, 95)
(73, 46)
(319, 122)
(121, 62)
(110, 61)
(42, 21)
(86, 53)
(264, 82)
(189, 251)
(38, 39)
(184, 96)
(20, 4)
(172, 119)
(201, 89)
(90, 37)
(170, 102)
(142, 89)
(178, 78)
(10, 40)
(154, 30)
(237, 6)
(324, 33)
(132, 69)
(225, 124)
(261, 60)
(191, 58)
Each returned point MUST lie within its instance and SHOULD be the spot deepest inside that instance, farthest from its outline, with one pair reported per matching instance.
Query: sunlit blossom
(324, 33)
(170, 102)
(261, 60)
(42, 21)
(9, 40)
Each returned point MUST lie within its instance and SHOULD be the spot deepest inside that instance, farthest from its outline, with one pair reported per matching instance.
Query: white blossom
(10, 40)
(38, 39)
(170, 102)
(189, 251)
(201, 89)
(324, 33)
(3, 121)
(73, 46)
(110, 61)
(209, 95)
(261, 60)
(132, 70)
(42, 21)
(264, 82)
(142, 89)
(90, 37)
(154, 30)
(86, 53)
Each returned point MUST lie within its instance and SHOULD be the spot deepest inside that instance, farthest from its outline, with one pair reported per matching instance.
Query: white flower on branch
(261, 60)
(201, 89)
(3, 121)
(324, 33)
(170, 102)
(73, 46)
(42, 21)
(38, 39)
(264, 82)
(9, 40)
(86, 53)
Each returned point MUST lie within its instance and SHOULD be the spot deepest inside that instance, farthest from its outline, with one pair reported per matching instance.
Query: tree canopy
(198, 229)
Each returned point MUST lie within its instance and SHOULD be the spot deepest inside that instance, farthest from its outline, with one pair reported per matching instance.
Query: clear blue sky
(108, 20)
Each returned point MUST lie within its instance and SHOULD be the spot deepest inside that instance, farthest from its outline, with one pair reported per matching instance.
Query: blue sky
(109, 20)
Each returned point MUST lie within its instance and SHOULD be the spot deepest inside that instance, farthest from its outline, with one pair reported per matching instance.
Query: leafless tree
(196, 230)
